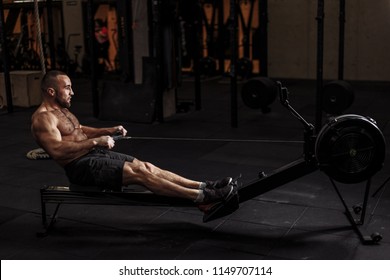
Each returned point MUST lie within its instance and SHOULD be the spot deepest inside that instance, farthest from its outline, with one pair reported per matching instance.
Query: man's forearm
(93, 132)
(71, 150)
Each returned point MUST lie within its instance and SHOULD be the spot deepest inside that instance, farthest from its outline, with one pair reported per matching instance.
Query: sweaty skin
(60, 134)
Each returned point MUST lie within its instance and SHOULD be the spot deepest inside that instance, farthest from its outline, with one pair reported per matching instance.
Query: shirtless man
(85, 152)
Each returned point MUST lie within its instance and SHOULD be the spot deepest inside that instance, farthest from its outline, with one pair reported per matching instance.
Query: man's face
(64, 92)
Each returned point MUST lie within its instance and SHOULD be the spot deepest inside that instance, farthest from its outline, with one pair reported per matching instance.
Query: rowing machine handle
(283, 94)
(284, 99)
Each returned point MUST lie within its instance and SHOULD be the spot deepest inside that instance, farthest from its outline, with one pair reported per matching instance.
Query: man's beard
(63, 104)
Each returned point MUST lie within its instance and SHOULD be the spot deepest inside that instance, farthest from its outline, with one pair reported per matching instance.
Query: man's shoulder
(39, 112)
(42, 114)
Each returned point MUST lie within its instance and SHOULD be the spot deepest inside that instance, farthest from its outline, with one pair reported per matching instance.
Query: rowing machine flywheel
(350, 148)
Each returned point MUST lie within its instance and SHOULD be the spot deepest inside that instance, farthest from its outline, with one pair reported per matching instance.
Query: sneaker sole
(221, 209)
(208, 207)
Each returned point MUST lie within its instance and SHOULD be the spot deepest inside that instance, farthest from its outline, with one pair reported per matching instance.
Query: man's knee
(138, 167)
(149, 168)
(139, 172)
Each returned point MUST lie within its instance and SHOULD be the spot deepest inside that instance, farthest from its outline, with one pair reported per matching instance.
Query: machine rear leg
(47, 227)
(357, 214)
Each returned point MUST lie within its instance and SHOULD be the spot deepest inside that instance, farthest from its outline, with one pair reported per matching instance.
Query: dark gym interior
(287, 97)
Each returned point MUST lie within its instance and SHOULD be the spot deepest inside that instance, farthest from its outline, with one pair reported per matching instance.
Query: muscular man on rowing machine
(85, 152)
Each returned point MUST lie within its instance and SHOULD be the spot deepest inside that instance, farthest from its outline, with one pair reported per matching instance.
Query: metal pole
(125, 38)
(49, 7)
(158, 54)
(197, 29)
(341, 39)
(93, 60)
(320, 58)
(233, 63)
(220, 41)
(263, 27)
(6, 64)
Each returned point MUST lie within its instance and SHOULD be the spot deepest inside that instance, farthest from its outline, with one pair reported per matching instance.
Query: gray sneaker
(217, 194)
(219, 183)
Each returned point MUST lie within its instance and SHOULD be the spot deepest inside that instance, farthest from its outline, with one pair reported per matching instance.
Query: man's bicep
(46, 132)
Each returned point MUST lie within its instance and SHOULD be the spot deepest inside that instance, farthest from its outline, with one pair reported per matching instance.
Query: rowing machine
(349, 149)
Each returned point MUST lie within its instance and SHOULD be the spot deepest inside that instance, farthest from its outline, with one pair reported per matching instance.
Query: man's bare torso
(66, 123)
(69, 125)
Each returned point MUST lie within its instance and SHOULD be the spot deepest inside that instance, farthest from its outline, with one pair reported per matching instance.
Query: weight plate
(258, 93)
(337, 97)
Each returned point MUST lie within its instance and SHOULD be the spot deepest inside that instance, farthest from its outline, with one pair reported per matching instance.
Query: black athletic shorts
(100, 167)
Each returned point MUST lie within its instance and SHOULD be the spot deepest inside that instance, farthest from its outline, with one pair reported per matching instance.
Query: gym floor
(303, 219)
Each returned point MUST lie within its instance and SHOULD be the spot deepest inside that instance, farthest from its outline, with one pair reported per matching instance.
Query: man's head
(57, 88)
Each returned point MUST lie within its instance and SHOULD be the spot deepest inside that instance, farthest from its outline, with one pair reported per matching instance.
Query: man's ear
(51, 91)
